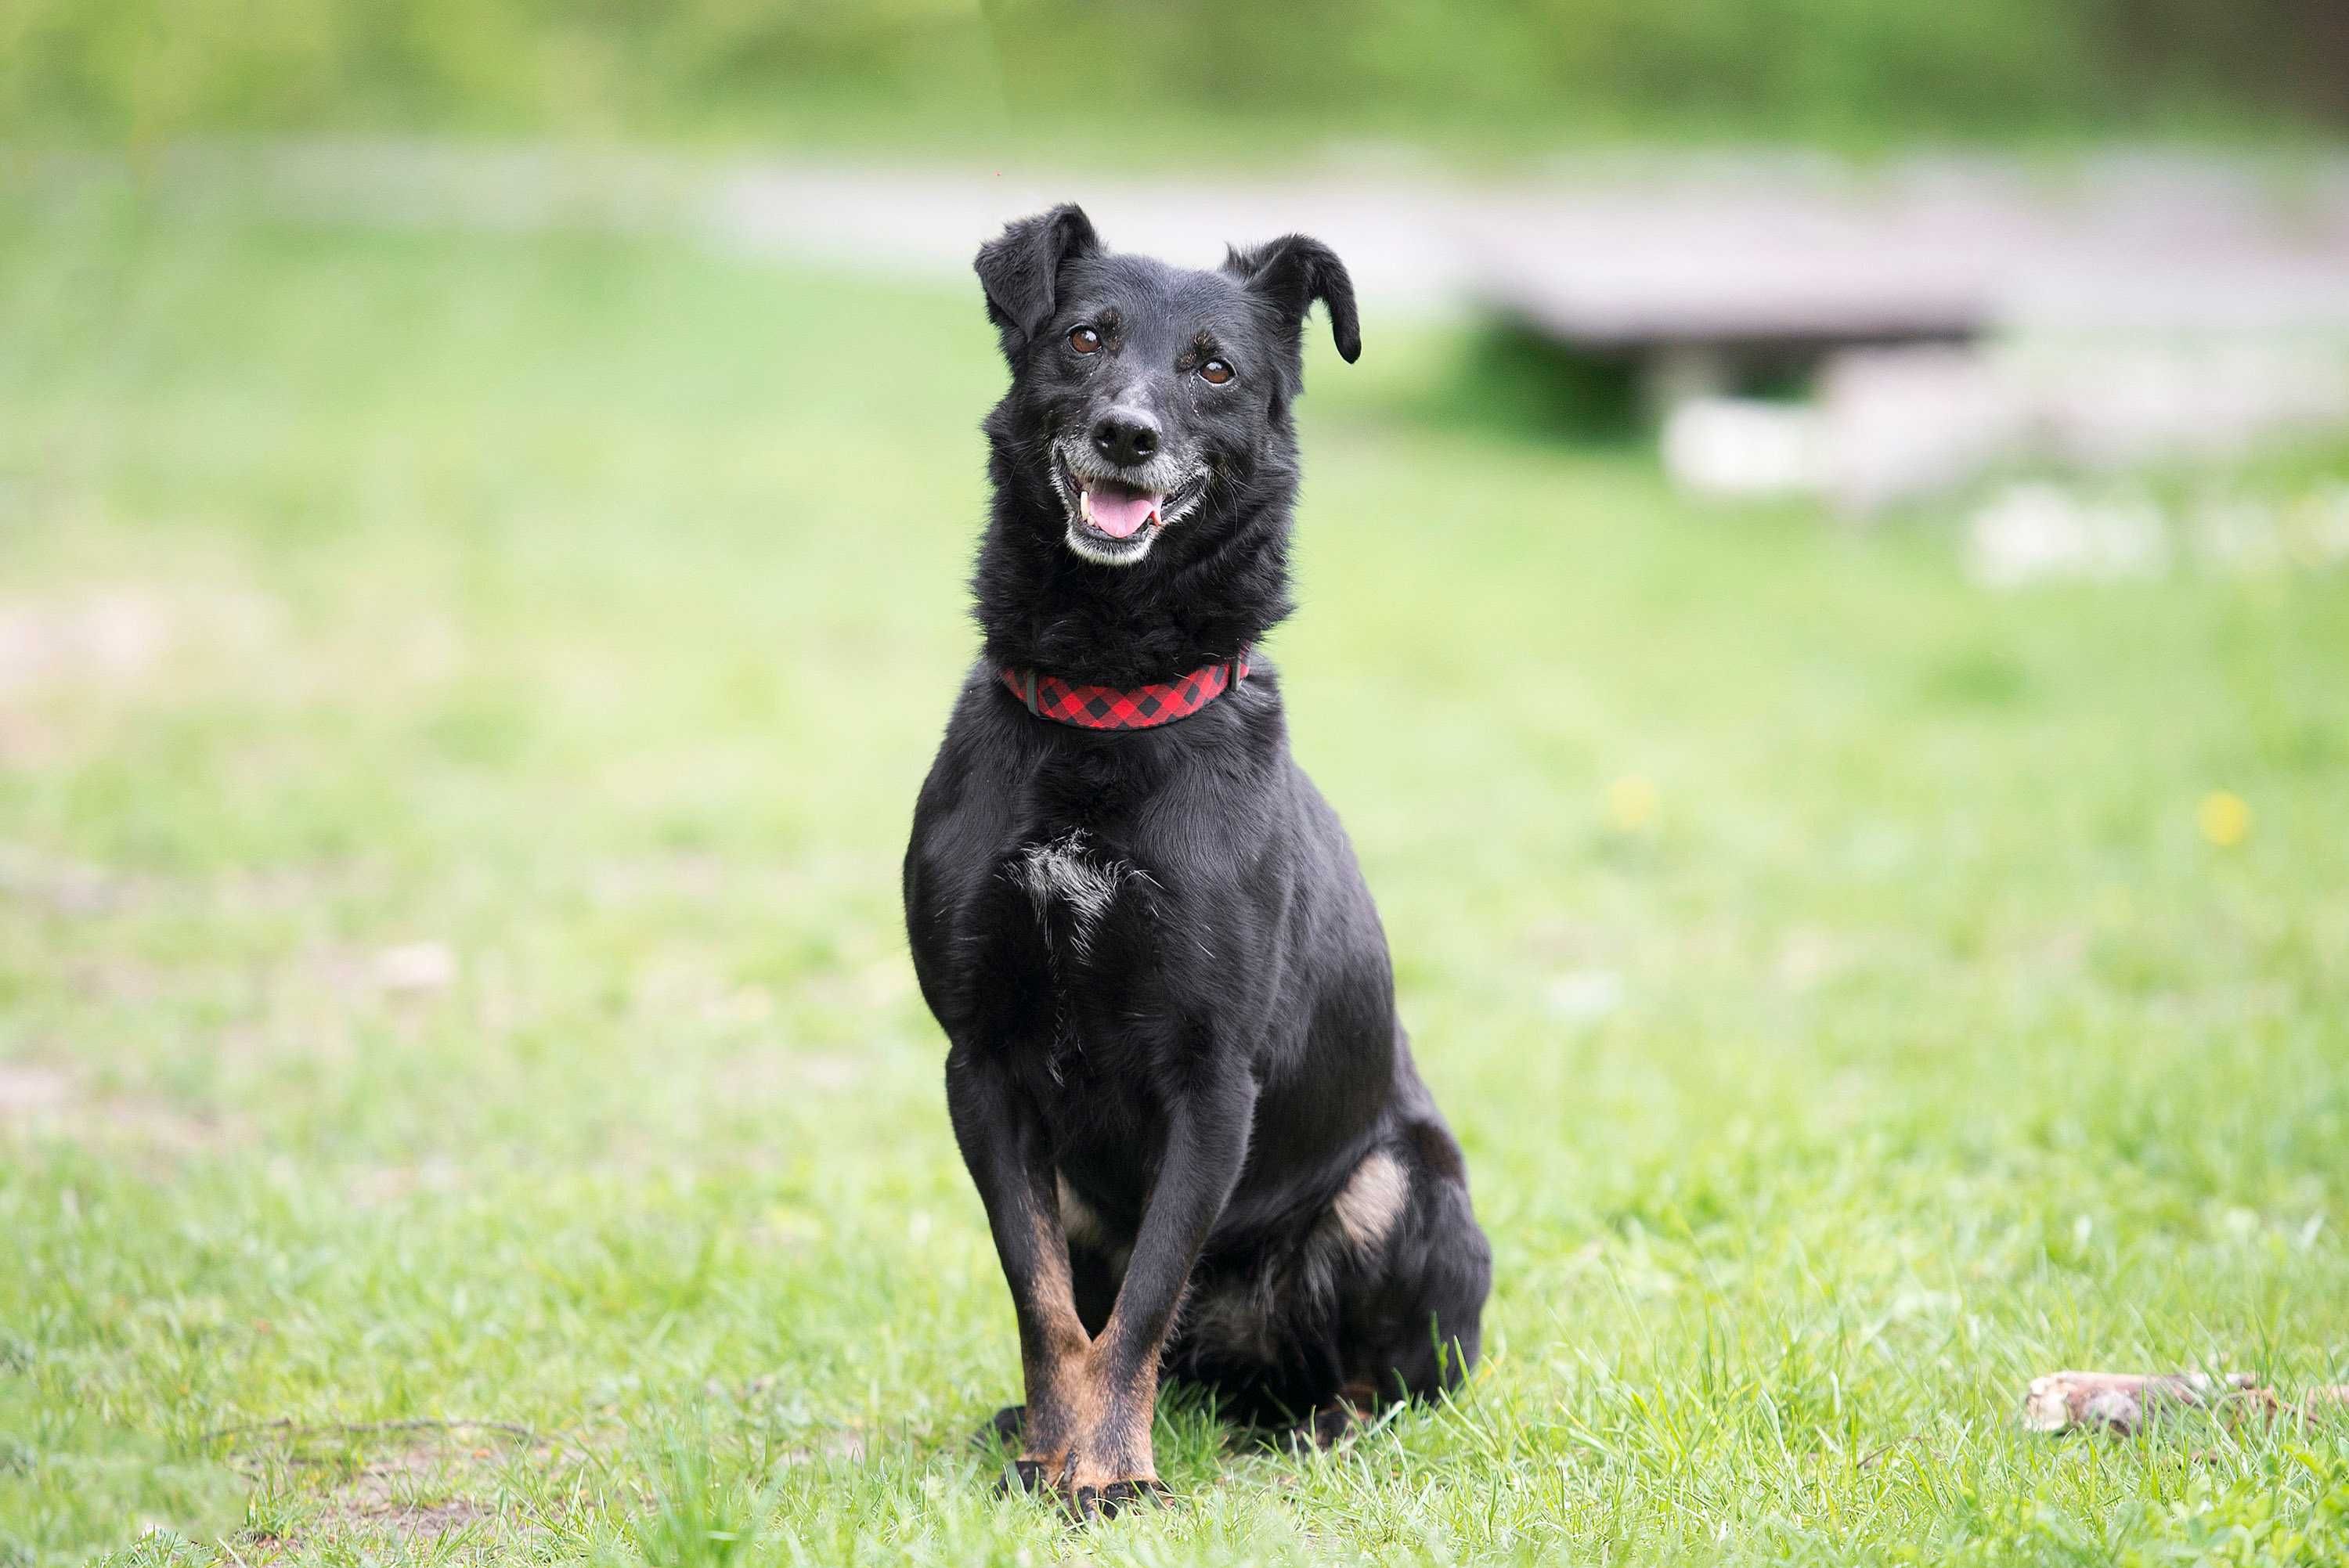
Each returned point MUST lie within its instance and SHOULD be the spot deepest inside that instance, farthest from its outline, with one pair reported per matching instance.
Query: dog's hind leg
(1411, 1312)
(1003, 1430)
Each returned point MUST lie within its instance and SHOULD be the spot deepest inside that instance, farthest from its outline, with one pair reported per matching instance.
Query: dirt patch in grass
(69, 656)
(60, 886)
(420, 1493)
(414, 1482)
(28, 1091)
(119, 634)
(40, 1101)
(108, 635)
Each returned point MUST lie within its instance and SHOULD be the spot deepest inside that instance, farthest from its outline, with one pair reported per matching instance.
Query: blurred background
(1859, 252)
(1823, 608)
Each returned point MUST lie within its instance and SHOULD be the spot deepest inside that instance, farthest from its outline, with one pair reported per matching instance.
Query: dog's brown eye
(1085, 340)
(1215, 372)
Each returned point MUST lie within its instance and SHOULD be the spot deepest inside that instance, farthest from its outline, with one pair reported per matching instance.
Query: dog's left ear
(1020, 271)
(1293, 271)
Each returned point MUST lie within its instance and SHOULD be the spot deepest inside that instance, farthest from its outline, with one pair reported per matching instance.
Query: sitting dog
(1174, 1067)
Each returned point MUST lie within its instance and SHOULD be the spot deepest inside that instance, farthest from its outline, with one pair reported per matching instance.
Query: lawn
(460, 703)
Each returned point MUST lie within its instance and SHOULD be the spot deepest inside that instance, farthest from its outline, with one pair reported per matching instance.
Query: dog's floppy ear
(1020, 271)
(1293, 271)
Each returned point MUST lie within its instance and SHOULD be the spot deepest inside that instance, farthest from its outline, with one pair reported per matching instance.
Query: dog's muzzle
(1114, 517)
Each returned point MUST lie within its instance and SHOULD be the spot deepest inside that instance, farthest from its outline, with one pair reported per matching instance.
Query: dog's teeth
(1085, 503)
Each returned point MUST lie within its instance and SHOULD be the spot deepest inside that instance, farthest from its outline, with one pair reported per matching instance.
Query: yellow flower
(1631, 804)
(2224, 817)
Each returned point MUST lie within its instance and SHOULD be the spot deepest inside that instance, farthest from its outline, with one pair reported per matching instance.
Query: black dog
(1176, 1070)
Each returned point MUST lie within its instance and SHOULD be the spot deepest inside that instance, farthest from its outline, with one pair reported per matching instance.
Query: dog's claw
(1023, 1476)
(1125, 1495)
(1089, 1502)
(1329, 1426)
(1083, 1503)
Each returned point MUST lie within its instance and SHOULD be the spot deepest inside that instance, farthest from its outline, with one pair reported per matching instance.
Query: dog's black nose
(1126, 436)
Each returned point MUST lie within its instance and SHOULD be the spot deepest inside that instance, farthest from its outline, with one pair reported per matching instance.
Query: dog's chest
(1091, 918)
(1073, 887)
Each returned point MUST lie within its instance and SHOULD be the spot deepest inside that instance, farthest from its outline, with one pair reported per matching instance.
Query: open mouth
(1113, 520)
(1118, 510)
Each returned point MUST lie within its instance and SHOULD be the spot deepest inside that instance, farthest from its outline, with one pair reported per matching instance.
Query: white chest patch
(1065, 874)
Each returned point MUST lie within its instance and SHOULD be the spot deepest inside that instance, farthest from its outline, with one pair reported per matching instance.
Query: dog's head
(1141, 393)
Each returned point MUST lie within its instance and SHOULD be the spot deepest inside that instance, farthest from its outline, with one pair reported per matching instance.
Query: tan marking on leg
(1115, 1445)
(1371, 1200)
(1063, 1400)
(1058, 1306)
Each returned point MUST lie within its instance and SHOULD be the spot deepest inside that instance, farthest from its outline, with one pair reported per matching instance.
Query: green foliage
(1133, 76)
(1505, 378)
(1817, 955)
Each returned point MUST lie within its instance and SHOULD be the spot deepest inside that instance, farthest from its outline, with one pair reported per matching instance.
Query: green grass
(1816, 954)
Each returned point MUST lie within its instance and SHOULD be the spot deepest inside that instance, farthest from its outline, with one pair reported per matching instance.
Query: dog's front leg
(1003, 1144)
(1206, 1142)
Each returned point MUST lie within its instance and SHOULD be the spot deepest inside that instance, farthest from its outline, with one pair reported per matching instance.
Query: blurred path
(2134, 238)
(2133, 241)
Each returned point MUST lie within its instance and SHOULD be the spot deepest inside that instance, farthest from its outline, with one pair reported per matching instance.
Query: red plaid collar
(1139, 707)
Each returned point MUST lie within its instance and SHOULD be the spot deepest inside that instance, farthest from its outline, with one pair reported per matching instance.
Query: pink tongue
(1120, 515)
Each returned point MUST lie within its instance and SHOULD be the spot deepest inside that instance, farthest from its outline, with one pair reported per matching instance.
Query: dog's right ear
(1021, 271)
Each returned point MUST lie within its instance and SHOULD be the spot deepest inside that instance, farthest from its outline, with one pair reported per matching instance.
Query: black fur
(1164, 985)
